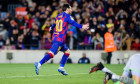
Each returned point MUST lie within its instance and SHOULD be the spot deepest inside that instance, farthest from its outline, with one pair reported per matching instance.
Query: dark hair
(65, 6)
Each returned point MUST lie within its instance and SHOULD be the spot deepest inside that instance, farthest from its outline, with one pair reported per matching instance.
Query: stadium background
(24, 38)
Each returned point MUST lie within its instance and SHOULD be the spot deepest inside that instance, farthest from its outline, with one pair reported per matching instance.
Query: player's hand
(85, 27)
(50, 29)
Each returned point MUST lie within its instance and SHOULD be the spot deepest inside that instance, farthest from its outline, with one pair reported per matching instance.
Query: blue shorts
(56, 47)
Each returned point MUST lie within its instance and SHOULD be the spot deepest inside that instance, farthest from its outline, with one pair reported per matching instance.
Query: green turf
(78, 74)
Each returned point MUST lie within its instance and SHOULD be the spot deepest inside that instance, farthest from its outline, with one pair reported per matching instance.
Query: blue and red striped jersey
(60, 27)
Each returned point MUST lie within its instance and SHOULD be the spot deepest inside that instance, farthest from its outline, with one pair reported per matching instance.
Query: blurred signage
(21, 11)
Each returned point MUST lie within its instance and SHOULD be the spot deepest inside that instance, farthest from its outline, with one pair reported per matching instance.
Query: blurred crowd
(31, 31)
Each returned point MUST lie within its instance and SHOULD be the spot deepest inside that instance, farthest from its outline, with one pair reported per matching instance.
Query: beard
(70, 12)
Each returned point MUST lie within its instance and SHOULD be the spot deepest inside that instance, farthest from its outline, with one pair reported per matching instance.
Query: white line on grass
(38, 75)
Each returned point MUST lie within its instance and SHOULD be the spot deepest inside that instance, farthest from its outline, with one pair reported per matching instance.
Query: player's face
(70, 10)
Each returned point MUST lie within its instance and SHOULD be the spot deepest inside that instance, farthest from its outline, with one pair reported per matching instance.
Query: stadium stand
(30, 31)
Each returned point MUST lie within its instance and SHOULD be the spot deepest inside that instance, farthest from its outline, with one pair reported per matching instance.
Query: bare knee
(67, 52)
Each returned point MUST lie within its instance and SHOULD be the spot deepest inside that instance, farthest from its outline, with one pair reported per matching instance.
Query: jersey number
(59, 25)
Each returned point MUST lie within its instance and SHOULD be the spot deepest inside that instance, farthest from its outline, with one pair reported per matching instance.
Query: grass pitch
(78, 74)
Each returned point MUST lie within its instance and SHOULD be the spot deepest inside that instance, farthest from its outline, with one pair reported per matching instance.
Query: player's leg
(136, 76)
(127, 74)
(64, 59)
(123, 80)
(42, 61)
(101, 67)
(117, 79)
(126, 78)
(46, 57)
(132, 68)
(52, 52)
(110, 75)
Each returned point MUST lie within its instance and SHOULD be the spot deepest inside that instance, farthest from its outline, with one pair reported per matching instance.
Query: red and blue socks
(46, 58)
(64, 59)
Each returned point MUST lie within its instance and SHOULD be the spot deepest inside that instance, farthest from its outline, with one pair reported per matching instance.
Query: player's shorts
(56, 47)
(133, 66)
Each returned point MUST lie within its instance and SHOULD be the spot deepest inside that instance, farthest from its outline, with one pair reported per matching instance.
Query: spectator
(110, 23)
(122, 28)
(21, 23)
(110, 14)
(136, 45)
(24, 3)
(26, 39)
(34, 40)
(99, 8)
(118, 40)
(84, 59)
(80, 43)
(13, 32)
(32, 10)
(93, 23)
(137, 14)
(20, 44)
(87, 40)
(132, 30)
(101, 28)
(46, 41)
(46, 26)
(2, 42)
(70, 40)
(98, 42)
(36, 18)
(3, 29)
(126, 42)
(30, 21)
(69, 60)
(122, 14)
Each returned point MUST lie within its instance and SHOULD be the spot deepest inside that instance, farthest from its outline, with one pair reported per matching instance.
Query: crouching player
(131, 74)
(60, 28)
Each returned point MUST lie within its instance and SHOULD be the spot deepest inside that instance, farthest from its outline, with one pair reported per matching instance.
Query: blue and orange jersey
(60, 27)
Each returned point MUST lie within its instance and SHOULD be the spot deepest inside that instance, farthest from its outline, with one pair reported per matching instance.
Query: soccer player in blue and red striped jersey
(60, 27)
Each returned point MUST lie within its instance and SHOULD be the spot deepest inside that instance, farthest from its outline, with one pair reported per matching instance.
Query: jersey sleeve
(74, 23)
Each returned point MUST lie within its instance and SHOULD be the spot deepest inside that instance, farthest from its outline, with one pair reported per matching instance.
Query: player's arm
(53, 26)
(74, 23)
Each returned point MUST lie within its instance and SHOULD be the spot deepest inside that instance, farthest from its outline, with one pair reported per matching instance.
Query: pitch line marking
(38, 75)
